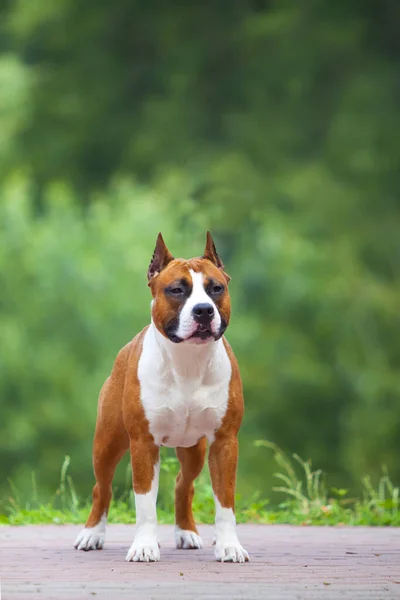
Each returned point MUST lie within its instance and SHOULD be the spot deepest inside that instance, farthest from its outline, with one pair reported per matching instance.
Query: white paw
(144, 550)
(187, 539)
(91, 538)
(232, 552)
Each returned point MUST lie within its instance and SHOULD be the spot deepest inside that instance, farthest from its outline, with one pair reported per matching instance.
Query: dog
(176, 384)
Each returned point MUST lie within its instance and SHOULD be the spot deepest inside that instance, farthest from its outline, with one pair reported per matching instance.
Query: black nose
(203, 313)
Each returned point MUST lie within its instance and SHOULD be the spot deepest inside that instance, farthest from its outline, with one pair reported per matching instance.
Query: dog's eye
(176, 291)
(217, 289)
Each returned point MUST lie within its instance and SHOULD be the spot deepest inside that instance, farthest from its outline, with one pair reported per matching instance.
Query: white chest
(184, 389)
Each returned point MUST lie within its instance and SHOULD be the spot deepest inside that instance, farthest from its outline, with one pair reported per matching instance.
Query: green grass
(307, 499)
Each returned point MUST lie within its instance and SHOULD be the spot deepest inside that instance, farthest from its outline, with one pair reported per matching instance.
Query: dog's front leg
(145, 460)
(223, 458)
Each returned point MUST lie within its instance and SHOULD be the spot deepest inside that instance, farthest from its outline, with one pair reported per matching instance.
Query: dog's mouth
(203, 332)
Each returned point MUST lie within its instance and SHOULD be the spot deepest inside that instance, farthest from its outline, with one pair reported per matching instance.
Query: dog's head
(191, 301)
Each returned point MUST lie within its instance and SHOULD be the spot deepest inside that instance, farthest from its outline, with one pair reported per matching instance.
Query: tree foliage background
(274, 124)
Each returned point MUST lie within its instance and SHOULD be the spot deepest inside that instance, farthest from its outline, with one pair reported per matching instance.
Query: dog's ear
(161, 257)
(211, 253)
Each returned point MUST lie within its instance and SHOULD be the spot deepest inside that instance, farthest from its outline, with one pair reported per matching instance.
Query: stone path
(286, 563)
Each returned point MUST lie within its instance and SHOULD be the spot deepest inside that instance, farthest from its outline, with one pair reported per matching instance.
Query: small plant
(383, 500)
(308, 498)
(314, 494)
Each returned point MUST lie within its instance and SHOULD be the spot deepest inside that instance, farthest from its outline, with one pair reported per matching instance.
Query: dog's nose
(203, 313)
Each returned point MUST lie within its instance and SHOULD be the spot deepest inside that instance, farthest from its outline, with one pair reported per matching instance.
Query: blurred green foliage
(274, 124)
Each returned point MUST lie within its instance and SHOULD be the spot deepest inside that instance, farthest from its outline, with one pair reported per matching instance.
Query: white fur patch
(187, 324)
(185, 539)
(184, 389)
(92, 538)
(227, 545)
(145, 546)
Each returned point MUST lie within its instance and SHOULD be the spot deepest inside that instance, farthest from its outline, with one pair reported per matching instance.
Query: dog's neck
(187, 360)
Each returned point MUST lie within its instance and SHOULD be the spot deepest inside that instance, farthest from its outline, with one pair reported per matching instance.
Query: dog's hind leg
(192, 462)
(111, 442)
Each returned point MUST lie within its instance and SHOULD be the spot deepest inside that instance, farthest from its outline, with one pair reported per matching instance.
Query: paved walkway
(286, 563)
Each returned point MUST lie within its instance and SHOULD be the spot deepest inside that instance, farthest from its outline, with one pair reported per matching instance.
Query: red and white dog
(176, 384)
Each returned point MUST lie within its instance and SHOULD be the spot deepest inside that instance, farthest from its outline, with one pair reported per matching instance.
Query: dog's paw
(90, 538)
(187, 539)
(232, 552)
(144, 551)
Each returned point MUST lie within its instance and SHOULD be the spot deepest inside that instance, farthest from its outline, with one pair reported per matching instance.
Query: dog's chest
(184, 396)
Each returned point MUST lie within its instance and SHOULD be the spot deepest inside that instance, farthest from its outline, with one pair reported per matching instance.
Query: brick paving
(286, 563)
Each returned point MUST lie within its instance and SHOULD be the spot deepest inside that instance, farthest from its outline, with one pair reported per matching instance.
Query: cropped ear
(211, 253)
(160, 260)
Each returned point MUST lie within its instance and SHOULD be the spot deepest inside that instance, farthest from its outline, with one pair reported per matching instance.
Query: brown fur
(121, 424)
(223, 455)
(121, 421)
(192, 462)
